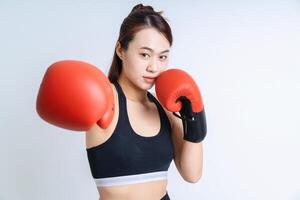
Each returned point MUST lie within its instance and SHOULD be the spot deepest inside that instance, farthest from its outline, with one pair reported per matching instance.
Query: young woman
(130, 158)
(131, 136)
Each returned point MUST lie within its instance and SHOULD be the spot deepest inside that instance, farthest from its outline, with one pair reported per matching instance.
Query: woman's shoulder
(97, 135)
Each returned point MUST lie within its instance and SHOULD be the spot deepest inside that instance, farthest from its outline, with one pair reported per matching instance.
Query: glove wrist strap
(194, 123)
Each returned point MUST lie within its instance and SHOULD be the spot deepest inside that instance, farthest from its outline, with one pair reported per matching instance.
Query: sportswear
(128, 157)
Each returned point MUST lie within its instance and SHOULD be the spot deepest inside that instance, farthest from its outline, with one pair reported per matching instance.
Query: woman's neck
(132, 92)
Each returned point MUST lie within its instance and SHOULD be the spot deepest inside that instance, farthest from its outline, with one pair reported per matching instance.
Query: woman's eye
(144, 55)
(163, 57)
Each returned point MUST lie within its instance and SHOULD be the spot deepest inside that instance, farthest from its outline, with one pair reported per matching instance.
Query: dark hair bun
(141, 7)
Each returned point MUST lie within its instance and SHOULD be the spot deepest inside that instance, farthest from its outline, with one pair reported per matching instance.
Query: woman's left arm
(179, 92)
(188, 155)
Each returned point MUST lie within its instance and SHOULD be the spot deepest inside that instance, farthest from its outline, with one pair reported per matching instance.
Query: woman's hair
(139, 18)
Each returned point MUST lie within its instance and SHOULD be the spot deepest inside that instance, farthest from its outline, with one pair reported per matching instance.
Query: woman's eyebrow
(147, 48)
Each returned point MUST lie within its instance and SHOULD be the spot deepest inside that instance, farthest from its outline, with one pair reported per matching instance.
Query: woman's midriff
(152, 190)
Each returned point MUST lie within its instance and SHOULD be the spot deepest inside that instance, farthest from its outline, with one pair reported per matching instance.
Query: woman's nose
(153, 66)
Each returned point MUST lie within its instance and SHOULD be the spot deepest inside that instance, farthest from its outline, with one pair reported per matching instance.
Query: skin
(138, 62)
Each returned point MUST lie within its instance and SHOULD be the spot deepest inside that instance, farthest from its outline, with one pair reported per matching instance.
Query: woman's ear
(119, 51)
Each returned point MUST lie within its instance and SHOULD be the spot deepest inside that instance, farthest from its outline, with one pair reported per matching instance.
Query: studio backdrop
(244, 55)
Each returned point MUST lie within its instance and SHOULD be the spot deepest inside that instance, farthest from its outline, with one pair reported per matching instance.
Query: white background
(243, 55)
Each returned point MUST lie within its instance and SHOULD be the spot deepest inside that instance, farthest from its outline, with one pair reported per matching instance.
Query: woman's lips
(149, 80)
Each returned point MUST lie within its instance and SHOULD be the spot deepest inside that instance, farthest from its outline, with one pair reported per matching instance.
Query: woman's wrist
(194, 123)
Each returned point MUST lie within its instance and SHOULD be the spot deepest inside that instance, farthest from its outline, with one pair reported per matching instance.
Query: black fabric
(126, 152)
(194, 123)
(166, 197)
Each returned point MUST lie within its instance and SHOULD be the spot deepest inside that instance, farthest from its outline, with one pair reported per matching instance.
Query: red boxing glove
(75, 95)
(178, 92)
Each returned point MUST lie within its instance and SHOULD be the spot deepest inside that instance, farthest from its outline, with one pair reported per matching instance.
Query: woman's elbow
(193, 179)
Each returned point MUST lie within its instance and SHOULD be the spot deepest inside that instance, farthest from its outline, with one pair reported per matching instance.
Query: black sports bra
(127, 157)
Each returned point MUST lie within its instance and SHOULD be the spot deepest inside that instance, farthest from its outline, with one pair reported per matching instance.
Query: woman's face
(146, 56)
